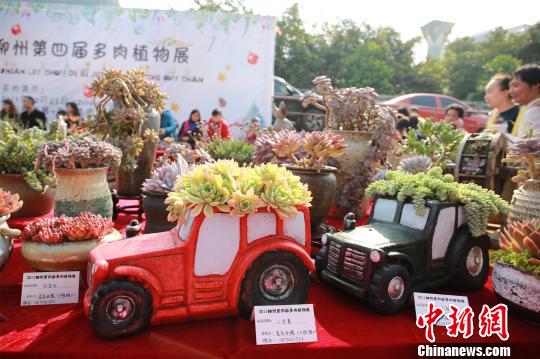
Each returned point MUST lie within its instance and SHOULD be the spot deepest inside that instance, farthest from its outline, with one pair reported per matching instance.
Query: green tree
(366, 67)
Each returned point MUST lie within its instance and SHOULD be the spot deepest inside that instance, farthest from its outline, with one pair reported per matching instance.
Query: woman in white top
(525, 90)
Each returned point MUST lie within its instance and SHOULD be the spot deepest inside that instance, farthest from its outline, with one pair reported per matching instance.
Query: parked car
(308, 119)
(399, 252)
(207, 267)
(433, 106)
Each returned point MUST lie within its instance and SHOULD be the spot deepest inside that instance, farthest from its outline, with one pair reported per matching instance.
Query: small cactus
(415, 164)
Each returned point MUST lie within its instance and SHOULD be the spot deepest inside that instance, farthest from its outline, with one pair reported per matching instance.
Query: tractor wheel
(275, 278)
(390, 288)
(120, 308)
(469, 264)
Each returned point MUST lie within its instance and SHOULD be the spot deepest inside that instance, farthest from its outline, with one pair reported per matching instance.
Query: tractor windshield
(185, 228)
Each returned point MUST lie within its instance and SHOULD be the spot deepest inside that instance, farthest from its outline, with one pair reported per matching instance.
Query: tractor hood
(148, 244)
(379, 235)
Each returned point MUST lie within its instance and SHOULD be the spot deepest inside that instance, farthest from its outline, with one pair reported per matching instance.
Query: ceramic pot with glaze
(156, 213)
(35, 203)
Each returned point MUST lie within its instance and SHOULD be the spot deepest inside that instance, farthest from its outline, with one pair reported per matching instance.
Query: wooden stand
(129, 209)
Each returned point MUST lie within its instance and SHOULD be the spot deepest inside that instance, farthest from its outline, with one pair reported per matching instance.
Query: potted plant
(438, 143)
(236, 150)
(192, 156)
(17, 174)
(63, 243)
(9, 203)
(516, 273)
(155, 190)
(80, 166)
(368, 130)
(306, 155)
(128, 115)
(224, 186)
(525, 202)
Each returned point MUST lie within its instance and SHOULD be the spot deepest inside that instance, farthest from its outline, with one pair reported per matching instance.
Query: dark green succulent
(236, 150)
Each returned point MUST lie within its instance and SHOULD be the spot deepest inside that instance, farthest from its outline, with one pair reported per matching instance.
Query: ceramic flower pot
(82, 190)
(6, 244)
(358, 144)
(519, 290)
(34, 203)
(129, 183)
(323, 190)
(156, 213)
(525, 203)
(65, 256)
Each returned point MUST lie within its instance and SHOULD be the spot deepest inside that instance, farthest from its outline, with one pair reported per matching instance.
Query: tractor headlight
(324, 239)
(375, 256)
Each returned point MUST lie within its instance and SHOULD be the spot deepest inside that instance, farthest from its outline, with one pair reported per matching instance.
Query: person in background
(60, 123)
(402, 125)
(454, 115)
(497, 96)
(9, 112)
(253, 131)
(281, 121)
(167, 125)
(414, 117)
(525, 90)
(190, 130)
(217, 127)
(31, 117)
(73, 118)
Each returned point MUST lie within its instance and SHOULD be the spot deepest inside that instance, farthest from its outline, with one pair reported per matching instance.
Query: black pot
(156, 213)
(323, 190)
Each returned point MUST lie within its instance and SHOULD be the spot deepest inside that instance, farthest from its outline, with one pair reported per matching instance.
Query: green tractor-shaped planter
(399, 252)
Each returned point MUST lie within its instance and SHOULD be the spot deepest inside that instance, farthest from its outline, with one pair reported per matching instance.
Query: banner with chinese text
(201, 60)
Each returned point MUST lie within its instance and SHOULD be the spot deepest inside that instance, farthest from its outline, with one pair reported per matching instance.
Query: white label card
(443, 301)
(284, 324)
(40, 288)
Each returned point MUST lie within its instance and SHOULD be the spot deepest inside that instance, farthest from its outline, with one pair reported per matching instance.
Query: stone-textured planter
(82, 190)
(358, 144)
(129, 183)
(34, 203)
(525, 203)
(323, 190)
(519, 290)
(156, 213)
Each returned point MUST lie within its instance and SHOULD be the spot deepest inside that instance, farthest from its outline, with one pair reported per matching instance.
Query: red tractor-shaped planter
(207, 267)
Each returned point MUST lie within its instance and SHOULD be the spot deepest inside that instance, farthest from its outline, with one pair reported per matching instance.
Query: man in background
(217, 127)
(525, 90)
(31, 117)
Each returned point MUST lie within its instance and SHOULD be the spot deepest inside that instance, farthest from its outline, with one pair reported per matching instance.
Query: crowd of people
(514, 99)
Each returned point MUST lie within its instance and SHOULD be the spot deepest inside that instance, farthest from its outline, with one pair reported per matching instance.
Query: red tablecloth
(345, 326)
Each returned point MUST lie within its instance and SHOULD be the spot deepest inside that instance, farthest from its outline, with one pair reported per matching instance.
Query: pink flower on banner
(252, 58)
(88, 92)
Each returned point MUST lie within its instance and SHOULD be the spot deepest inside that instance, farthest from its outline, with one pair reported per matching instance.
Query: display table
(345, 326)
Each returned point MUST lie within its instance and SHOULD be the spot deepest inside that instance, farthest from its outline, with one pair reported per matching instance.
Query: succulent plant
(131, 95)
(236, 150)
(227, 187)
(525, 150)
(77, 152)
(479, 203)
(351, 108)
(9, 203)
(67, 229)
(440, 142)
(164, 177)
(18, 152)
(415, 164)
(193, 157)
(520, 246)
(305, 149)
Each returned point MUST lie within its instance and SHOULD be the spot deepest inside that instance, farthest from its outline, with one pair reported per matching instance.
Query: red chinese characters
(460, 322)
(429, 319)
(494, 321)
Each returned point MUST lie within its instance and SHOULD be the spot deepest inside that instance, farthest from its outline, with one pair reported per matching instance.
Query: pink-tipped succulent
(277, 147)
(521, 236)
(320, 146)
(9, 203)
(164, 177)
(67, 229)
